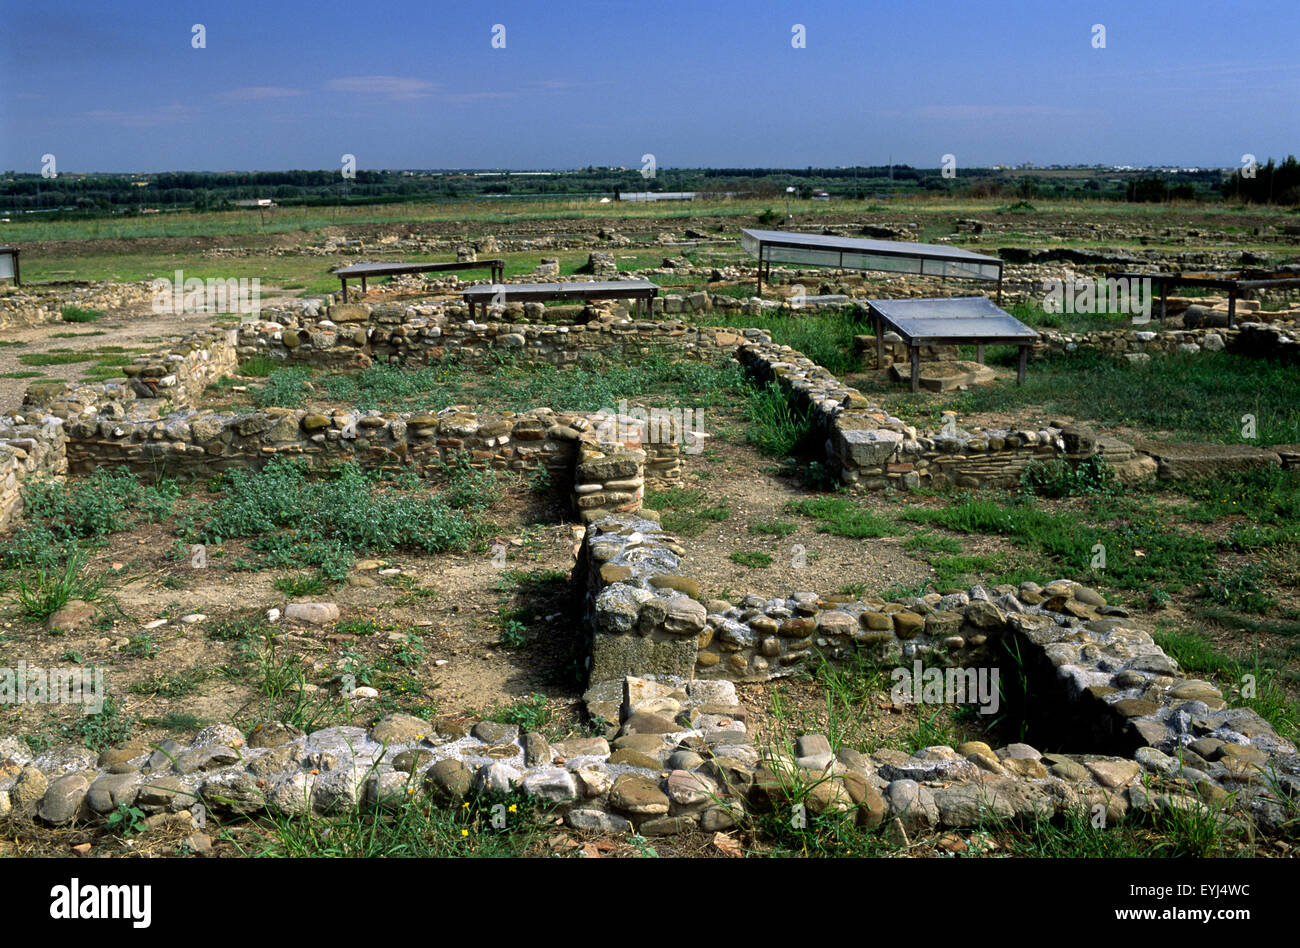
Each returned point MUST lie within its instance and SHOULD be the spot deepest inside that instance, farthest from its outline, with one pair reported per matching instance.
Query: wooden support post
(1024, 364)
(344, 281)
(363, 286)
(1164, 292)
(916, 368)
(979, 352)
(1232, 308)
(999, 284)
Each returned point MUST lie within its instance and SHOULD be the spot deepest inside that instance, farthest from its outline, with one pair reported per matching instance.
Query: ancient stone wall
(871, 449)
(359, 333)
(24, 306)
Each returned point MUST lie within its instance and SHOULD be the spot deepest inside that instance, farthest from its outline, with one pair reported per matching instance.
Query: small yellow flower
(410, 789)
(513, 808)
(464, 832)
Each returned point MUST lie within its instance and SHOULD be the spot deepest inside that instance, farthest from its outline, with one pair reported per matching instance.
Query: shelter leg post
(979, 353)
(916, 368)
(1023, 365)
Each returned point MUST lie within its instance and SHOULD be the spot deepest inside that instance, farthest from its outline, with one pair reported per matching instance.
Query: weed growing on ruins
(79, 314)
(1266, 695)
(519, 386)
(284, 388)
(60, 515)
(825, 336)
(110, 726)
(1060, 478)
(929, 542)
(1239, 588)
(177, 684)
(45, 593)
(55, 357)
(301, 520)
(774, 425)
(300, 584)
(530, 714)
(258, 366)
(483, 826)
(752, 559)
(126, 821)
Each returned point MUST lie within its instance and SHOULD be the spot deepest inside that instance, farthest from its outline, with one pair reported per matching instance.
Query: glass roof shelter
(859, 253)
(9, 264)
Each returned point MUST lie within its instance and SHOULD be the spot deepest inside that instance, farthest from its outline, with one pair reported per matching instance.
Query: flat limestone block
(1186, 460)
(943, 376)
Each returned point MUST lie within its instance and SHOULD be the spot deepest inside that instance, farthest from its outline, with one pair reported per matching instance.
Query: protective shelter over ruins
(860, 253)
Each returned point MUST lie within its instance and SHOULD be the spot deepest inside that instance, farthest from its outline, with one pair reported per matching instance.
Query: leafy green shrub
(284, 388)
(1060, 478)
(752, 559)
(1239, 589)
(77, 314)
(323, 521)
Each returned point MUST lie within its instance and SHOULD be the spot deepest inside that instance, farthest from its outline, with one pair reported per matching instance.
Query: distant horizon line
(483, 169)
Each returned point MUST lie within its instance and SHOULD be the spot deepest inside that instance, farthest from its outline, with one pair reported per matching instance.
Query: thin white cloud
(257, 93)
(986, 113)
(392, 87)
(144, 118)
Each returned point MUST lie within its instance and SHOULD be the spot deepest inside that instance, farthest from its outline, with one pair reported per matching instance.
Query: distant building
(820, 195)
(255, 202)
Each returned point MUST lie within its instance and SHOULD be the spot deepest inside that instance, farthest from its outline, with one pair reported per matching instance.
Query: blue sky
(419, 85)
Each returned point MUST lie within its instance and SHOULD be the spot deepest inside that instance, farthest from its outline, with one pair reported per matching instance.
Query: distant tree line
(109, 194)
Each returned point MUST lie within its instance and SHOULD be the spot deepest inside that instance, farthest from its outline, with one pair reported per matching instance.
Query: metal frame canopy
(10, 257)
(1235, 283)
(640, 290)
(860, 253)
(966, 320)
(365, 270)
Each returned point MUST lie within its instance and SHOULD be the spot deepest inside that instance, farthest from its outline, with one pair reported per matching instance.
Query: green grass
(824, 337)
(486, 827)
(291, 587)
(685, 511)
(78, 314)
(45, 593)
(752, 559)
(590, 385)
(55, 358)
(258, 367)
(774, 425)
(1139, 553)
(929, 542)
(842, 517)
(1200, 397)
(298, 519)
(776, 528)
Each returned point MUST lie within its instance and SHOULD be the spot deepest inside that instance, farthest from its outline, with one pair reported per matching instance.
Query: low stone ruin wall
(174, 377)
(23, 306)
(871, 449)
(28, 453)
(359, 333)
